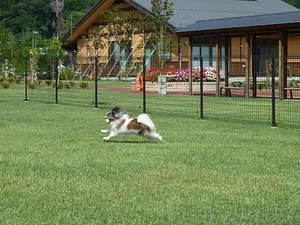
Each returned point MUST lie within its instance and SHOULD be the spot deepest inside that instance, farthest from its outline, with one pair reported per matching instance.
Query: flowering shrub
(182, 75)
(7, 69)
(152, 73)
(209, 74)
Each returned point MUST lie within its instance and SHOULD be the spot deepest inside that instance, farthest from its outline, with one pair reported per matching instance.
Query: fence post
(144, 84)
(56, 79)
(273, 93)
(96, 82)
(26, 80)
(201, 88)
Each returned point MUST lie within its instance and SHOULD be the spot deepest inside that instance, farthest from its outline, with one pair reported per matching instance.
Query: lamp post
(35, 33)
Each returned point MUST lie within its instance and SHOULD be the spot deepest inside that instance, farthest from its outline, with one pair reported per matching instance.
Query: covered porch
(240, 50)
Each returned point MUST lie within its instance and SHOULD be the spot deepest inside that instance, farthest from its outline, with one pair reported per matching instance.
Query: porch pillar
(253, 67)
(226, 70)
(179, 53)
(247, 66)
(218, 59)
(282, 65)
(190, 66)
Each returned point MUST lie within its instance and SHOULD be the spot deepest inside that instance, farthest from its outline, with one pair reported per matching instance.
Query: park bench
(238, 85)
(291, 89)
(293, 85)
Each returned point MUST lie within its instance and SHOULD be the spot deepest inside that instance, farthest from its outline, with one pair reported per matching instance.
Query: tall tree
(161, 37)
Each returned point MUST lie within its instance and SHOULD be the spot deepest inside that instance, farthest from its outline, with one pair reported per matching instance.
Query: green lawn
(56, 169)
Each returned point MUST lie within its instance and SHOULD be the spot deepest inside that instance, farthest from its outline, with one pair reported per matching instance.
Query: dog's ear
(117, 112)
(116, 109)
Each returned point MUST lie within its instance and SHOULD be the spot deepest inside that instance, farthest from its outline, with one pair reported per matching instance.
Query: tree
(295, 3)
(161, 38)
(120, 26)
(6, 42)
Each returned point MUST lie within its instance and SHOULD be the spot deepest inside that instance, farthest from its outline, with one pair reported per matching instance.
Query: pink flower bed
(182, 75)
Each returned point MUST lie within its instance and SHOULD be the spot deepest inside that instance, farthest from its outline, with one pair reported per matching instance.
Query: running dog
(120, 122)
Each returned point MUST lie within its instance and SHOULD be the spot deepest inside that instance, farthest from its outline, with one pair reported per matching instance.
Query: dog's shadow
(135, 139)
(149, 141)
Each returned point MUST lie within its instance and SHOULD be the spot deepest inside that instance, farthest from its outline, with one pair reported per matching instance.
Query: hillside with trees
(19, 18)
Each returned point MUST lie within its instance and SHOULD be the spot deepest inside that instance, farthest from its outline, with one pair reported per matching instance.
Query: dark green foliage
(69, 85)
(11, 80)
(60, 85)
(84, 84)
(4, 84)
(29, 15)
(18, 80)
(48, 82)
(66, 74)
(32, 86)
(295, 3)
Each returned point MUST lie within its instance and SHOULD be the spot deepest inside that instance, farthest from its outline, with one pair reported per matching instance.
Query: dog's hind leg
(156, 136)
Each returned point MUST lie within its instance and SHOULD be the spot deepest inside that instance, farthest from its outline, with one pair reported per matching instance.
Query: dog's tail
(145, 119)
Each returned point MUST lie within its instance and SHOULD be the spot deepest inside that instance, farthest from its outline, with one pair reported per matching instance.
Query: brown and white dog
(120, 122)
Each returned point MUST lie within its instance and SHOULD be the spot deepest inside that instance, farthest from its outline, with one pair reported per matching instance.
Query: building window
(114, 51)
(121, 53)
(206, 48)
(266, 48)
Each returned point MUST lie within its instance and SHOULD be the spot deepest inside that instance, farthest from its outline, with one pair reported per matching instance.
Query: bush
(4, 85)
(83, 84)
(18, 80)
(69, 85)
(66, 73)
(32, 86)
(11, 80)
(294, 84)
(38, 82)
(60, 85)
(48, 82)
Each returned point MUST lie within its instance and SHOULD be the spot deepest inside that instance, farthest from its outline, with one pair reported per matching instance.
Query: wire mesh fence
(11, 78)
(233, 98)
(231, 94)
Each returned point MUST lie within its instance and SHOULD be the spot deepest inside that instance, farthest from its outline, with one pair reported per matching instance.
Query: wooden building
(237, 37)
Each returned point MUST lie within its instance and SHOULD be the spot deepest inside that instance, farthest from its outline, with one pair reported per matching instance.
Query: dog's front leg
(111, 135)
(106, 130)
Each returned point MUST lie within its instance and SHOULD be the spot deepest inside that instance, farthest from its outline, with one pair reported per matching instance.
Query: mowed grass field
(56, 169)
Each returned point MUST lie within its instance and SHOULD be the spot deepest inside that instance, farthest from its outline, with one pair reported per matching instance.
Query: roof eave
(147, 12)
(241, 30)
(133, 3)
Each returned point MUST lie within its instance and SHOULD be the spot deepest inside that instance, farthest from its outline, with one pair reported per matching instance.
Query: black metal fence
(140, 86)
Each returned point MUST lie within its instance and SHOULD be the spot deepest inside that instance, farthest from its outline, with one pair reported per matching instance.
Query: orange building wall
(294, 46)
